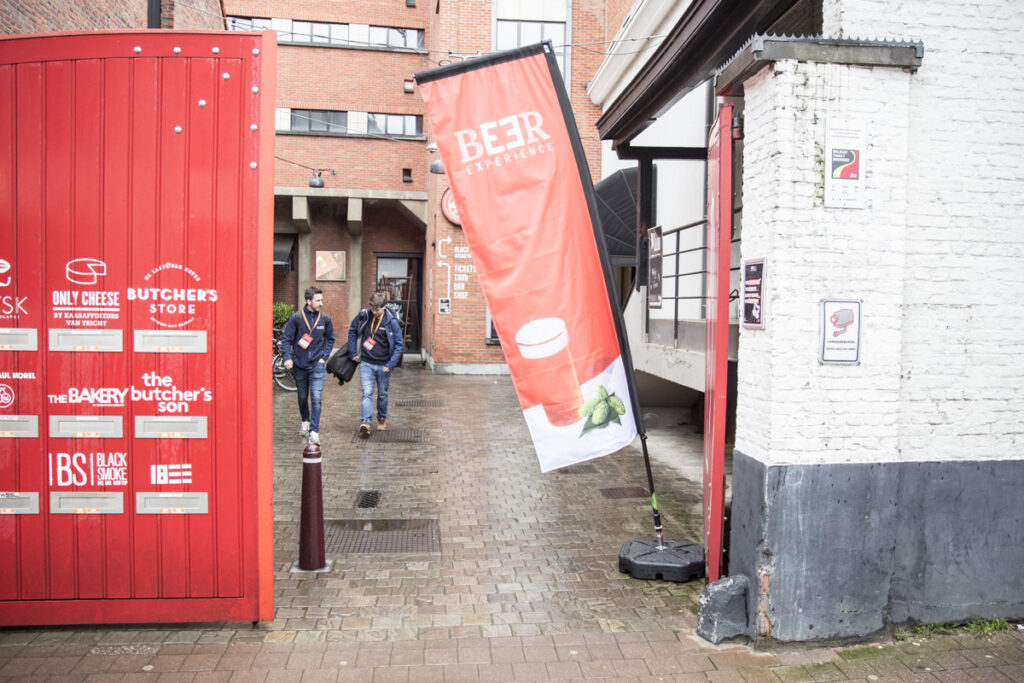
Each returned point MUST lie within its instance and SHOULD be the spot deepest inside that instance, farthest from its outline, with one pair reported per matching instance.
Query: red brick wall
(286, 285)
(199, 15)
(386, 230)
(359, 163)
(328, 234)
(48, 16)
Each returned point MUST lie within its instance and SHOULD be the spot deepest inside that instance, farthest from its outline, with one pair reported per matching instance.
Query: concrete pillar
(304, 258)
(355, 255)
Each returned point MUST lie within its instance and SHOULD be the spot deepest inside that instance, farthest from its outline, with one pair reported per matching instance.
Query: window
(387, 36)
(301, 31)
(319, 33)
(318, 121)
(248, 24)
(402, 125)
(512, 34)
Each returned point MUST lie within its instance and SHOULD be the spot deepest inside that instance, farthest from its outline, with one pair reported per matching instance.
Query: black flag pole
(640, 558)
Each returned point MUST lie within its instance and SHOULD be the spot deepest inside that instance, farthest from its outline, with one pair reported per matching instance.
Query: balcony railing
(682, 281)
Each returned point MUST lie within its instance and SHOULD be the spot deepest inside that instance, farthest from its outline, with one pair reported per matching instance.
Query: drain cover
(343, 536)
(578, 469)
(368, 498)
(419, 403)
(390, 436)
(625, 492)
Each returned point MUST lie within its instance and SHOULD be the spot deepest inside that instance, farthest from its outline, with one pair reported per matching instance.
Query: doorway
(400, 277)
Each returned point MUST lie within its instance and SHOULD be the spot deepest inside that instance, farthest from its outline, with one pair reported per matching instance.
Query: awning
(283, 245)
(708, 34)
(617, 208)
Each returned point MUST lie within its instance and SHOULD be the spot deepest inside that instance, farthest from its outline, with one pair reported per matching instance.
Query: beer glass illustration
(551, 376)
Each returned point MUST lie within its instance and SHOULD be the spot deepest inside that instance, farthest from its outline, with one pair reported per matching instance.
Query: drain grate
(390, 436)
(578, 469)
(343, 536)
(368, 498)
(419, 403)
(625, 492)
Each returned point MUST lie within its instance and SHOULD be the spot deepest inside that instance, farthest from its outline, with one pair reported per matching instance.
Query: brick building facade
(348, 112)
(380, 207)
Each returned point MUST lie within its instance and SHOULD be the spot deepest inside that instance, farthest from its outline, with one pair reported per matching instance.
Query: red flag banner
(508, 141)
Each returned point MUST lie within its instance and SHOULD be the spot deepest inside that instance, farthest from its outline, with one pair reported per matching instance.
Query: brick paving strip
(525, 586)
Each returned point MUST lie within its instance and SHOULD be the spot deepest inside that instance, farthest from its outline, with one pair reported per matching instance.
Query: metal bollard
(311, 529)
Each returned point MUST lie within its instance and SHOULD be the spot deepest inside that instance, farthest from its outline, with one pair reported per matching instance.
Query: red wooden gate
(136, 213)
(719, 238)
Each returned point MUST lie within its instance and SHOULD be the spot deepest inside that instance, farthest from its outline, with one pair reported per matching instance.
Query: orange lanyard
(373, 330)
(307, 321)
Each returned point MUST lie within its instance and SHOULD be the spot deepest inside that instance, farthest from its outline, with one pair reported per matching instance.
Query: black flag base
(677, 561)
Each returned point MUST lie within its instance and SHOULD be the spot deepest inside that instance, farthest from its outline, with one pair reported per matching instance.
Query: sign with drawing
(840, 331)
(753, 293)
(654, 267)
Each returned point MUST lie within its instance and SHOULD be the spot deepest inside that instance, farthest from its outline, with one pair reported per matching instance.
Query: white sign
(840, 331)
(170, 474)
(89, 469)
(444, 306)
(171, 296)
(844, 165)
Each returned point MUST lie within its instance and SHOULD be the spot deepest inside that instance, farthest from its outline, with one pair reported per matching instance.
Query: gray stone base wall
(844, 550)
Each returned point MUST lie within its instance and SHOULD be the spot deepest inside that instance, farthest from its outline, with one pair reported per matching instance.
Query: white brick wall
(935, 256)
(791, 409)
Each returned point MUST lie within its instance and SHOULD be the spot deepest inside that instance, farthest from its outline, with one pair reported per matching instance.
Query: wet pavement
(525, 586)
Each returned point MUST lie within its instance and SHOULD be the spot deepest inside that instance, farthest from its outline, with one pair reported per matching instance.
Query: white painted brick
(936, 255)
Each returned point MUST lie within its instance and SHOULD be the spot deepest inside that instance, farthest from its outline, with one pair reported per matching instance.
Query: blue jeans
(310, 383)
(370, 374)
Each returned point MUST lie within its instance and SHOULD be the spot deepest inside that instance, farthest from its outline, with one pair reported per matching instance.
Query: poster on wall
(654, 269)
(330, 265)
(753, 293)
(844, 164)
(506, 134)
(840, 331)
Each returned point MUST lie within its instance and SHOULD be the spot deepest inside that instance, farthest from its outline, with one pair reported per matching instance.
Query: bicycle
(283, 377)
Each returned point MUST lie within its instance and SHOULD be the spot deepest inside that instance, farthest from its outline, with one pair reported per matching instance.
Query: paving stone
(525, 587)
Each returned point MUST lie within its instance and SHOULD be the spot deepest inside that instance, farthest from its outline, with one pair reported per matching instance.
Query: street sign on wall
(136, 178)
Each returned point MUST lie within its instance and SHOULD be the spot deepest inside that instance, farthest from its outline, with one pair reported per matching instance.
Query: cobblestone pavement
(525, 585)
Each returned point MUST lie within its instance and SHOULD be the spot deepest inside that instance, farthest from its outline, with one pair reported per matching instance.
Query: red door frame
(716, 366)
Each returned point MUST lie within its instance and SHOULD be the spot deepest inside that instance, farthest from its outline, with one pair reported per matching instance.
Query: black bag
(341, 366)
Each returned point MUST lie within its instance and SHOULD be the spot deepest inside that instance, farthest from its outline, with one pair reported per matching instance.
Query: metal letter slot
(86, 503)
(160, 427)
(104, 341)
(170, 341)
(19, 426)
(86, 426)
(19, 502)
(157, 503)
(19, 339)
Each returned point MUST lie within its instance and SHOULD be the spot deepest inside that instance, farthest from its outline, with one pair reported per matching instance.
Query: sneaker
(382, 424)
(364, 430)
(314, 438)
(304, 429)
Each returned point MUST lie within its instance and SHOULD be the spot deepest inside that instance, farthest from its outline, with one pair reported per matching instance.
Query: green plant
(282, 312)
(926, 630)
(984, 627)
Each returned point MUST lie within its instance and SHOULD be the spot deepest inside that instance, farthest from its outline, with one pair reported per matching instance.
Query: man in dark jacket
(306, 344)
(375, 339)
